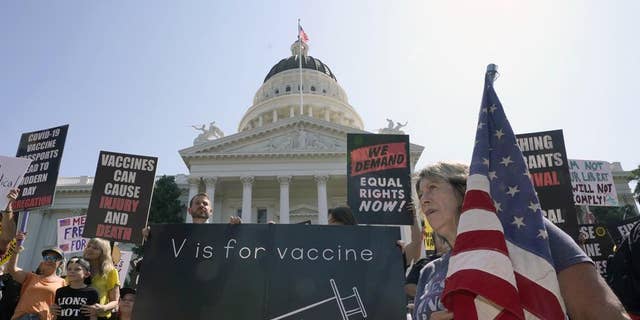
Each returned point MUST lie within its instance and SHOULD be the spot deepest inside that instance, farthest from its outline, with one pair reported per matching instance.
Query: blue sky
(133, 76)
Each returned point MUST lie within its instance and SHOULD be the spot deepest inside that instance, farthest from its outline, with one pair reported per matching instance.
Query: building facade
(287, 163)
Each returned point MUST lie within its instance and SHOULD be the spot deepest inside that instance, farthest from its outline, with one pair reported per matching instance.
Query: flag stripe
(501, 291)
(482, 240)
(486, 261)
(475, 199)
(475, 218)
(535, 299)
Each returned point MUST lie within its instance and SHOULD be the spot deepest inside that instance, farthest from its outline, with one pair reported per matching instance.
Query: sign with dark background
(258, 271)
(121, 196)
(597, 244)
(546, 157)
(379, 178)
(44, 148)
(622, 229)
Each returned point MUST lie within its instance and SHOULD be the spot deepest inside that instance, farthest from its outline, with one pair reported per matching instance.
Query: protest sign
(121, 196)
(622, 229)
(546, 158)
(379, 178)
(11, 172)
(123, 265)
(593, 183)
(45, 148)
(257, 271)
(597, 244)
(70, 238)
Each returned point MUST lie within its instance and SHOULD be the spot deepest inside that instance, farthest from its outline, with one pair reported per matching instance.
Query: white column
(247, 184)
(284, 198)
(327, 114)
(291, 112)
(323, 215)
(310, 111)
(275, 115)
(194, 184)
(260, 121)
(210, 184)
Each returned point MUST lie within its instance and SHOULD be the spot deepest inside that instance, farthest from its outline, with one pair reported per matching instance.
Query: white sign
(70, 238)
(123, 265)
(592, 183)
(11, 172)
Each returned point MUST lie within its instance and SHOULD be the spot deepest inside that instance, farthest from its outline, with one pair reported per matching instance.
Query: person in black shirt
(72, 300)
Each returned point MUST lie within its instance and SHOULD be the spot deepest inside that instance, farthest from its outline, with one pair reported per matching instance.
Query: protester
(104, 277)
(125, 307)
(38, 291)
(10, 294)
(8, 226)
(441, 188)
(341, 216)
(69, 300)
(623, 272)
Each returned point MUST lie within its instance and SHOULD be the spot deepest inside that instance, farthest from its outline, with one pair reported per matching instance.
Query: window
(239, 212)
(324, 90)
(287, 89)
(262, 215)
(313, 88)
(277, 91)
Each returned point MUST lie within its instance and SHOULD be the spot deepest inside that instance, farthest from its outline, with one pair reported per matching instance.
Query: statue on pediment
(393, 128)
(212, 133)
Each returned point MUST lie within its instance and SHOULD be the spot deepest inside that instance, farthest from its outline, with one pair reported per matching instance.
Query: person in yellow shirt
(104, 277)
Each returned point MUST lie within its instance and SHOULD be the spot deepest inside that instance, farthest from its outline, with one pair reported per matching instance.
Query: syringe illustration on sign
(340, 301)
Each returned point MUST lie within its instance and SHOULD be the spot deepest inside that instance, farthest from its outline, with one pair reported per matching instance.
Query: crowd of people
(91, 288)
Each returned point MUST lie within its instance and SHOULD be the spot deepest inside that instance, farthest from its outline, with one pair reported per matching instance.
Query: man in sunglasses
(38, 290)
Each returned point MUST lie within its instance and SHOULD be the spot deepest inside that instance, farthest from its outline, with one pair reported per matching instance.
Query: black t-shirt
(623, 271)
(10, 296)
(70, 300)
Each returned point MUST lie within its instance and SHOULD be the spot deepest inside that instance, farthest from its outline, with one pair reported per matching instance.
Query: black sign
(121, 196)
(258, 271)
(546, 157)
(45, 148)
(622, 229)
(379, 178)
(597, 244)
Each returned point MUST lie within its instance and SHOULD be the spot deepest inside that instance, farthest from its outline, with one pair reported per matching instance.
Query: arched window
(277, 91)
(287, 89)
(313, 88)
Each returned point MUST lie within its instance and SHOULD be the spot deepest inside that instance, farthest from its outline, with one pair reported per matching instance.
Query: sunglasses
(50, 258)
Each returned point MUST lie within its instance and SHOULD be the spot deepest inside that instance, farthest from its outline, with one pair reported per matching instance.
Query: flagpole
(300, 67)
(492, 71)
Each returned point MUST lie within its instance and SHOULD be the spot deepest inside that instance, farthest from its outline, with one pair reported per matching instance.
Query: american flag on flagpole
(301, 34)
(501, 265)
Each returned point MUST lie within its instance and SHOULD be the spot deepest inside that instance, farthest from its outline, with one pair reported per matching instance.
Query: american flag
(64, 222)
(301, 34)
(501, 265)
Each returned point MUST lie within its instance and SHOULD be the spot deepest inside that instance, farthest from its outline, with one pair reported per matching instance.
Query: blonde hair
(105, 262)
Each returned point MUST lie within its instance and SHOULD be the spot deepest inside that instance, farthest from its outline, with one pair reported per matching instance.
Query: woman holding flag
(507, 261)
(441, 189)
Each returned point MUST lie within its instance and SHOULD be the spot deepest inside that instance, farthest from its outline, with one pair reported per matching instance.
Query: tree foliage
(165, 205)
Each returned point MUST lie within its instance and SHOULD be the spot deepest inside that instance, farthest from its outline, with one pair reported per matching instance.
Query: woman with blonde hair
(104, 277)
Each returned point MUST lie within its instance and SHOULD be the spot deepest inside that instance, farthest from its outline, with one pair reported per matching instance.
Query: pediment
(305, 136)
(299, 136)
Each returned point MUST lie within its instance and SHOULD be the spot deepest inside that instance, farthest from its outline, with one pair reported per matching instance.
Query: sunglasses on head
(50, 258)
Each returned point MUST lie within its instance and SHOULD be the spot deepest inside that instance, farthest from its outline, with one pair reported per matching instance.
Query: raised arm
(413, 249)
(18, 274)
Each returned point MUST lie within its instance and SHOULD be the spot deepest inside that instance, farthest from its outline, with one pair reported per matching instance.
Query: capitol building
(287, 163)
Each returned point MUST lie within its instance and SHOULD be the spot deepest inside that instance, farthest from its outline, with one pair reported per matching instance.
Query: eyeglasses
(50, 258)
